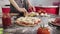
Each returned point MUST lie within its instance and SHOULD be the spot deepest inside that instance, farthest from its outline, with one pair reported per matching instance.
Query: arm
(16, 6)
(30, 6)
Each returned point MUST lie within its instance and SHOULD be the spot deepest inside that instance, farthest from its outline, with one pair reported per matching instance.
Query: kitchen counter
(15, 29)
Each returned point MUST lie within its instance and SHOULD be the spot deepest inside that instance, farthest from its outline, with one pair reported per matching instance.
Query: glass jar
(6, 19)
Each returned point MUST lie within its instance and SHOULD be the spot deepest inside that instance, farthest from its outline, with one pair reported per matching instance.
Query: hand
(24, 11)
(32, 8)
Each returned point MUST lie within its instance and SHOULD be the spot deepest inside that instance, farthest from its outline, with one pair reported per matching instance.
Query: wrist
(19, 9)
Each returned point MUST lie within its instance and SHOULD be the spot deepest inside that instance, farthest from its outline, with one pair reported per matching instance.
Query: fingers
(26, 13)
(34, 9)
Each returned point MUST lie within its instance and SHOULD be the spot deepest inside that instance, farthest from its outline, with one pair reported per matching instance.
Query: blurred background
(51, 6)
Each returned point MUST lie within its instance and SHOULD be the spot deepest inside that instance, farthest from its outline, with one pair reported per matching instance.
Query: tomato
(43, 31)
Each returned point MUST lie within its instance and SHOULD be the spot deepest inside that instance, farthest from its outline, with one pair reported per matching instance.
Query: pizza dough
(28, 21)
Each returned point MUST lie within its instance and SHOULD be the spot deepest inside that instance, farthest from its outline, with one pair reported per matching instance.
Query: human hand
(24, 11)
(32, 8)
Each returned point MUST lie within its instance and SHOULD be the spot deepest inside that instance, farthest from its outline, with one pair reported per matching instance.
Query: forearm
(29, 3)
(14, 4)
(31, 6)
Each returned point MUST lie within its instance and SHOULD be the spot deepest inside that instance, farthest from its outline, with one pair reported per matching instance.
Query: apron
(21, 4)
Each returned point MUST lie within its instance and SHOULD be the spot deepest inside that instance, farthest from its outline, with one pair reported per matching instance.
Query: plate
(54, 24)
